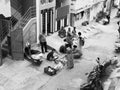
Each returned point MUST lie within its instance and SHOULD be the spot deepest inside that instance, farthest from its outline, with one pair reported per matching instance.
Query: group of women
(73, 46)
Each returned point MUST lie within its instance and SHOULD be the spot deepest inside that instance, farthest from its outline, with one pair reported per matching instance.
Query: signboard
(62, 12)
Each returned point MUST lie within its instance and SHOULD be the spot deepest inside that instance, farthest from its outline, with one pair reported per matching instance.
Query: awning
(81, 9)
(62, 12)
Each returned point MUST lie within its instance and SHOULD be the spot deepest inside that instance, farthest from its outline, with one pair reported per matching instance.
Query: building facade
(96, 7)
(22, 13)
(86, 11)
(45, 16)
(62, 13)
(79, 12)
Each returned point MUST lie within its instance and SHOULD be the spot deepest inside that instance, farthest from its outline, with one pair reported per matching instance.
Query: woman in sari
(69, 58)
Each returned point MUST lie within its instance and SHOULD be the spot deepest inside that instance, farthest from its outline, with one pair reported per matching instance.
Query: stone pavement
(55, 41)
(100, 45)
(87, 31)
(21, 75)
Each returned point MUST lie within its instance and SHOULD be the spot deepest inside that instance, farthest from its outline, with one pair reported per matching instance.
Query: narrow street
(31, 29)
(21, 75)
(99, 45)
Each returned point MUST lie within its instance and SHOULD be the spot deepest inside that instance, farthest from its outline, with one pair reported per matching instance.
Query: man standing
(43, 43)
(81, 41)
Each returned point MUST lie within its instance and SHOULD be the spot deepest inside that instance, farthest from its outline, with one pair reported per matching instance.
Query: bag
(50, 71)
(62, 49)
(36, 62)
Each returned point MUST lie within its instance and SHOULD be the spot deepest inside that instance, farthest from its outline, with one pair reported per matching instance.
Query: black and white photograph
(59, 44)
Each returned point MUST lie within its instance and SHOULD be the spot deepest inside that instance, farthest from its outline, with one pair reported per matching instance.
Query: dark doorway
(65, 22)
(43, 22)
(49, 21)
(58, 25)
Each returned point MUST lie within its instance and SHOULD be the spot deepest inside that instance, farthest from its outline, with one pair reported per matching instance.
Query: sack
(62, 49)
(77, 55)
(50, 71)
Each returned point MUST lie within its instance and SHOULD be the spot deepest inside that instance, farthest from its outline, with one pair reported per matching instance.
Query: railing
(15, 4)
(31, 13)
(4, 29)
(16, 14)
(6, 25)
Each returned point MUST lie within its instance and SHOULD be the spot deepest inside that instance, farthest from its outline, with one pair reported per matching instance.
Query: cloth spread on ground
(37, 56)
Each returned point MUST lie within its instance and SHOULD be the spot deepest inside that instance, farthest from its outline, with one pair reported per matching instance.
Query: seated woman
(64, 47)
(32, 55)
(50, 55)
(29, 51)
(76, 53)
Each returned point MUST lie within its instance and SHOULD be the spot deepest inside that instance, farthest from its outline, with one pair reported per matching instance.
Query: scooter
(94, 79)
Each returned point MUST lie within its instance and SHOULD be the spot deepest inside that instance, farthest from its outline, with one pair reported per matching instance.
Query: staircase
(13, 24)
(31, 13)
(5, 30)
(3, 37)
(16, 16)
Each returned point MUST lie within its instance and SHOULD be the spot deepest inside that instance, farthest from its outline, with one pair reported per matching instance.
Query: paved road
(101, 44)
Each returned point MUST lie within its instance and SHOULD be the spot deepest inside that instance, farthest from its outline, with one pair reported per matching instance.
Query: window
(45, 1)
(50, 0)
(79, 16)
(82, 14)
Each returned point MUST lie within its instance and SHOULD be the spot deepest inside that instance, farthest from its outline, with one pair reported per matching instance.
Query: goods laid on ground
(50, 70)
